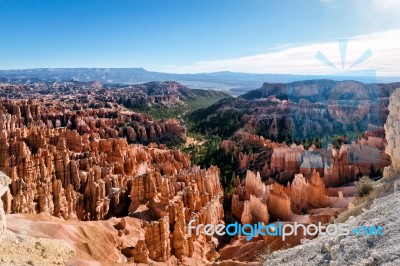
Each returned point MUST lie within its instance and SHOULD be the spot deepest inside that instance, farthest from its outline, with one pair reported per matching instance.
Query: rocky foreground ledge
(352, 250)
(22, 250)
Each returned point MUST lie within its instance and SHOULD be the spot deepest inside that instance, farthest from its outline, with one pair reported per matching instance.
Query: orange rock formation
(79, 165)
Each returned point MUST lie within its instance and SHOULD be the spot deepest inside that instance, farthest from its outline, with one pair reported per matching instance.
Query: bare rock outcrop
(305, 195)
(18, 249)
(392, 129)
(254, 211)
(256, 201)
(157, 240)
(4, 182)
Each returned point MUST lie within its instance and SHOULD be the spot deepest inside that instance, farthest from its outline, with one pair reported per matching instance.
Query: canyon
(78, 165)
(82, 167)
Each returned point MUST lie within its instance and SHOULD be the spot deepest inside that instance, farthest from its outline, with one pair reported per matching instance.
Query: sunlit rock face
(106, 122)
(4, 182)
(286, 162)
(285, 203)
(337, 165)
(392, 128)
(296, 184)
(86, 165)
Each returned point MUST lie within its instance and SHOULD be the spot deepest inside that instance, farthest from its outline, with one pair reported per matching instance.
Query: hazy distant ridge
(235, 83)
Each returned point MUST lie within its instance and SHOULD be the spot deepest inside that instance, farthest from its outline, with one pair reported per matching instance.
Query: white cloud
(301, 59)
(386, 5)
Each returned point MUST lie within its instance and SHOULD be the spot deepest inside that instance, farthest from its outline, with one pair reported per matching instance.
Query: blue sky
(177, 35)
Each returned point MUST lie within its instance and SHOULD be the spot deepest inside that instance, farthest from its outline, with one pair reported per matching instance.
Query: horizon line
(343, 74)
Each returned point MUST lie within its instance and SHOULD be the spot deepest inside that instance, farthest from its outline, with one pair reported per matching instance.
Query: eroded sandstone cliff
(337, 166)
(81, 165)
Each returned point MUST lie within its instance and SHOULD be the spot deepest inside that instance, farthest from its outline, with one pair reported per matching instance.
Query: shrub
(364, 186)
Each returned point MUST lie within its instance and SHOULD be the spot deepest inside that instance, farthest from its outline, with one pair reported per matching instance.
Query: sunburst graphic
(343, 52)
(351, 100)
